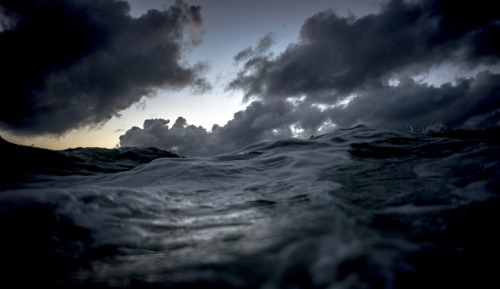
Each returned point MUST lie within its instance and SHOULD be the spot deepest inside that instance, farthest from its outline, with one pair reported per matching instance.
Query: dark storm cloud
(337, 56)
(259, 121)
(469, 103)
(374, 61)
(262, 47)
(68, 64)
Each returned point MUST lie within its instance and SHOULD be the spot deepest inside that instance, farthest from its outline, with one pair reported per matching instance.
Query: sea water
(355, 208)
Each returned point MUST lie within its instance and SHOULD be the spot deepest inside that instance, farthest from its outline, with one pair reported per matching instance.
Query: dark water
(355, 208)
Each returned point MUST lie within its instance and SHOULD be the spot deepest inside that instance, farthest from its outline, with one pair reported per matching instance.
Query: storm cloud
(340, 55)
(345, 71)
(258, 122)
(70, 64)
(468, 103)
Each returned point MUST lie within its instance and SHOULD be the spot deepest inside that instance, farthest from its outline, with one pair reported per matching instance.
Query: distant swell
(23, 164)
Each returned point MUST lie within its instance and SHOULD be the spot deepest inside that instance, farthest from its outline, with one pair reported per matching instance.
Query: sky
(212, 76)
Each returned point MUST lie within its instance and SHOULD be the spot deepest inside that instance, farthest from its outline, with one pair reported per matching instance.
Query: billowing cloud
(341, 55)
(345, 70)
(469, 103)
(189, 140)
(69, 64)
(258, 122)
(181, 137)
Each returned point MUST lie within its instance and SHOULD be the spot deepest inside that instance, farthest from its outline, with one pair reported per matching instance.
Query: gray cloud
(341, 55)
(374, 61)
(257, 122)
(69, 64)
(469, 103)
(181, 137)
(338, 57)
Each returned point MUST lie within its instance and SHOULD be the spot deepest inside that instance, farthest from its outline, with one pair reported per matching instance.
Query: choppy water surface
(355, 208)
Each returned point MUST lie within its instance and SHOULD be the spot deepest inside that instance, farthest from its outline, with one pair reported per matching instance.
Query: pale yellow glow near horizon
(84, 138)
(216, 107)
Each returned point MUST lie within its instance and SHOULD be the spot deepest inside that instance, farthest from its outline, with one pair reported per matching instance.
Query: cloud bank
(338, 56)
(69, 64)
(345, 71)
(257, 122)
(375, 61)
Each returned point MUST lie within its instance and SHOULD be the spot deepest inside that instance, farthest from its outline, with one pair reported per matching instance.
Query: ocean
(354, 208)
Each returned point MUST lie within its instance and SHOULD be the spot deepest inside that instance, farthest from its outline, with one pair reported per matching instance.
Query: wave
(24, 164)
(354, 208)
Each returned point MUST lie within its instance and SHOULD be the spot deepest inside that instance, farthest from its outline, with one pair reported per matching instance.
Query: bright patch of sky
(448, 72)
